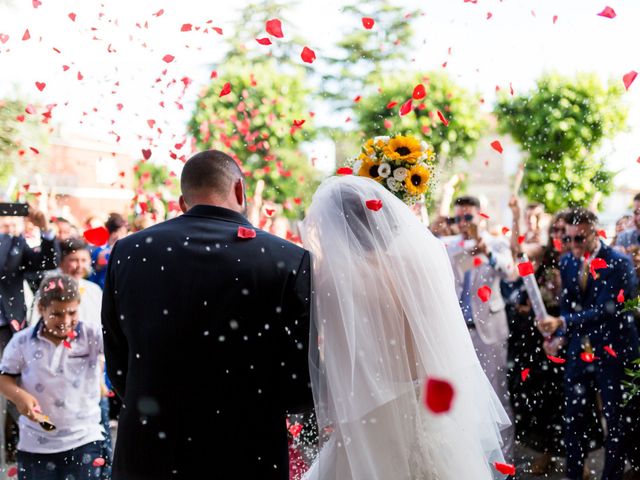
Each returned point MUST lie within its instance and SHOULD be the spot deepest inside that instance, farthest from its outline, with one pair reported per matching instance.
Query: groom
(206, 324)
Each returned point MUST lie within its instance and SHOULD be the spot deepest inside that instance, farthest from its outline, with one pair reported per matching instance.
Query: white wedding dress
(386, 318)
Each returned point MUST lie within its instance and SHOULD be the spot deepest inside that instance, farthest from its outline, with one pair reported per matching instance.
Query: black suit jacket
(17, 258)
(206, 338)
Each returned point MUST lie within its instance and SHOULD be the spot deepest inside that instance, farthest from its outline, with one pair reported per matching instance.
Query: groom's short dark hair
(211, 171)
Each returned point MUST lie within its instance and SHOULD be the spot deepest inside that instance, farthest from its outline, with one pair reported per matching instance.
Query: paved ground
(525, 458)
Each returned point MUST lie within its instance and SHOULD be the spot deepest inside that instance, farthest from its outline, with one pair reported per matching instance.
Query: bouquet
(403, 164)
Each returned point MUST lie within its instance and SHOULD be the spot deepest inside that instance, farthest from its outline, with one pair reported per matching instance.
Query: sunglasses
(467, 218)
(577, 239)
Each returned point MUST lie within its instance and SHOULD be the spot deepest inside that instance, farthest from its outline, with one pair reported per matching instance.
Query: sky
(110, 88)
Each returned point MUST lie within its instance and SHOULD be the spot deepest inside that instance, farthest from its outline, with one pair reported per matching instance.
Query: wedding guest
(65, 397)
(64, 229)
(75, 261)
(117, 227)
(484, 312)
(601, 339)
(631, 236)
(537, 386)
(441, 226)
(533, 216)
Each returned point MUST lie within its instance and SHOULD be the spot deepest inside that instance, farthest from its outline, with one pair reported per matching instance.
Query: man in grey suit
(479, 262)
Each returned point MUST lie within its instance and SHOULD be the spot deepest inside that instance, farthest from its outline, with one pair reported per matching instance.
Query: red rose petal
(4, 38)
(274, 28)
(40, 85)
(505, 230)
(186, 27)
(391, 104)
(555, 19)
(484, 215)
(610, 351)
(406, 107)
(505, 468)
(99, 462)
(344, 171)
(269, 211)
(246, 233)
(264, 41)
(66, 344)
(146, 153)
(620, 297)
(218, 30)
(602, 233)
(608, 12)
(168, 58)
(629, 78)
(438, 395)
(588, 357)
(374, 205)
(72, 16)
(295, 429)
(525, 268)
(226, 89)
(12, 472)
(96, 236)
(442, 119)
(308, 55)
(597, 264)
(298, 123)
(484, 293)
(419, 92)
(557, 244)
(368, 22)
(497, 146)
(36, 3)
(159, 12)
(26, 35)
(520, 239)
(524, 373)
(477, 261)
(556, 359)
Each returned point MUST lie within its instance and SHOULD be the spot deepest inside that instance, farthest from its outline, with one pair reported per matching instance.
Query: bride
(387, 319)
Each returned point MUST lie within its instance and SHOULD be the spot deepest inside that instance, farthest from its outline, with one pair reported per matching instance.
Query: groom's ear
(238, 191)
(183, 204)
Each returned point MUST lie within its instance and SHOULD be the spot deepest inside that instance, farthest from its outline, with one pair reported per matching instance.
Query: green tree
(20, 130)
(561, 125)
(154, 183)
(261, 124)
(378, 114)
(365, 54)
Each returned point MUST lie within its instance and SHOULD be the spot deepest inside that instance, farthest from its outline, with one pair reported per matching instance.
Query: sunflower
(416, 181)
(403, 149)
(369, 169)
(368, 147)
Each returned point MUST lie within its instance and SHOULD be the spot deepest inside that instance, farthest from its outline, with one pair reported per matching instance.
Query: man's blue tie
(465, 299)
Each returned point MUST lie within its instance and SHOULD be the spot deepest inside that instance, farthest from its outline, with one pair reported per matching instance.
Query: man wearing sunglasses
(631, 237)
(593, 275)
(479, 261)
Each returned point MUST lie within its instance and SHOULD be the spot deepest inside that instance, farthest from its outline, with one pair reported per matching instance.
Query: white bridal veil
(386, 318)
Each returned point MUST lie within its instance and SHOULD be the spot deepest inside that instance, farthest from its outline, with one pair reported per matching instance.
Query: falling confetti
(419, 92)
(484, 293)
(264, 41)
(556, 359)
(226, 89)
(525, 268)
(524, 374)
(608, 12)
(274, 28)
(610, 351)
(505, 468)
(368, 23)
(344, 171)
(620, 297)
(497, 146)
(406, 107)
(96, 236)
(628, 78)
(442, 119)
(308, 55)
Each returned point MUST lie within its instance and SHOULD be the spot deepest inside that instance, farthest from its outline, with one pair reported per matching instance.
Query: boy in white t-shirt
(51, 371)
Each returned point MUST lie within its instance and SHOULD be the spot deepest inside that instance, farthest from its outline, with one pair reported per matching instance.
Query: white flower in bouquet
(384, 170)
(383, 138)
(357, 165)
(393, 184)
(400, 174)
